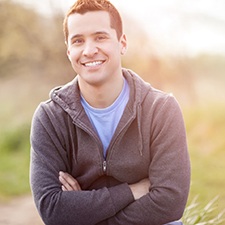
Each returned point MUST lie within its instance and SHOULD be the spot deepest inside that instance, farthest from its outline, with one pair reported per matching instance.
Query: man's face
(93, 47)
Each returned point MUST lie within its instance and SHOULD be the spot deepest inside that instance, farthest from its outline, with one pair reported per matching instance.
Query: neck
(104, 95)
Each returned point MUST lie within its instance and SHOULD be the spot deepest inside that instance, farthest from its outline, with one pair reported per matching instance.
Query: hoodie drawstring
(140, 141)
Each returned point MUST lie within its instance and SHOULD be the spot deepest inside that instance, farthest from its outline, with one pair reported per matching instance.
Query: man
(107, 148)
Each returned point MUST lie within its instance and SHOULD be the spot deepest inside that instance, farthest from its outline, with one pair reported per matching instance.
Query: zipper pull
(104, 166)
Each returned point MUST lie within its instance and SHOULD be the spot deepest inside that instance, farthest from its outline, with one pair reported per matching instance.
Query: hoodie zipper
(104, 166)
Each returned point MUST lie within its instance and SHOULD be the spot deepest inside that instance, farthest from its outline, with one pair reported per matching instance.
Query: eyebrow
(101, 32)
(96, 33)
(76, 36)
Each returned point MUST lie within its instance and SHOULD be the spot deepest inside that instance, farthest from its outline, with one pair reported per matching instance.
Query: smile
(92, 64)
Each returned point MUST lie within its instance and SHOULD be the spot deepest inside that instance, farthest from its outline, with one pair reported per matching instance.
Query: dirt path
(20, 211)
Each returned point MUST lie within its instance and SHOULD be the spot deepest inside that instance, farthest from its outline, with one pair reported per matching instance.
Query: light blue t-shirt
(106, 120)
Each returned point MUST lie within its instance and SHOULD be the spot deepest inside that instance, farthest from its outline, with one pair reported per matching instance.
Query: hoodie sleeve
(56, 207)
(169, 171)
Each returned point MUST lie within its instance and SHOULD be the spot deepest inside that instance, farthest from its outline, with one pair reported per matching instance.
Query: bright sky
(188, 26)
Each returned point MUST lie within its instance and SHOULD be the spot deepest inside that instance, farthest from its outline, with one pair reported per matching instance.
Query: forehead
(89, 22)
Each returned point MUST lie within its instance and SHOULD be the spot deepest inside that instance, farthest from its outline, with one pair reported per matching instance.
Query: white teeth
(89, 64)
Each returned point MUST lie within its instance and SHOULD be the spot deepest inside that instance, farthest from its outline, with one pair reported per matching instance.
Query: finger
(69, 179)
(69, 182)
(66, 186)
(63, 188)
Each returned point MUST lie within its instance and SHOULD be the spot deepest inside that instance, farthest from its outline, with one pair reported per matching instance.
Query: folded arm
(69, 183)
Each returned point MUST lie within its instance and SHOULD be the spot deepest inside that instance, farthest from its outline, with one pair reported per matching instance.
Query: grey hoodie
(149, 141)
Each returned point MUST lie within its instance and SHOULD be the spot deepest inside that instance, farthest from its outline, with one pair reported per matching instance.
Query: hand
(68, 182)
(140, 188)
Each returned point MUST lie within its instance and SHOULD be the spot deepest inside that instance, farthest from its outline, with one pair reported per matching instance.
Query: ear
(68, 55)
(123, 41)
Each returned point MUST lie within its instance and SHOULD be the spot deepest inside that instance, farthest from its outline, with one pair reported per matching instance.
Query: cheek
(74, 52)
(72, 55)
(74, 60)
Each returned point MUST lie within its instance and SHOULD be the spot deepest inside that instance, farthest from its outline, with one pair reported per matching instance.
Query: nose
(90, 49)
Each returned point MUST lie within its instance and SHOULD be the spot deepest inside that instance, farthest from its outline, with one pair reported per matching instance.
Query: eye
(101, 37)
(77, 41)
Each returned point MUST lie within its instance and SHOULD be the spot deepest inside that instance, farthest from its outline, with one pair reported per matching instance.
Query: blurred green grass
(205, 130)
(14, 161)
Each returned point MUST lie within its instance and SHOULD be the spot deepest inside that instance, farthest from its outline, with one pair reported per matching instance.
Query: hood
(68, 98)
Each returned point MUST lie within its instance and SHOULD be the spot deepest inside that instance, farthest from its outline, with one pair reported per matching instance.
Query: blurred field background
(33, 60)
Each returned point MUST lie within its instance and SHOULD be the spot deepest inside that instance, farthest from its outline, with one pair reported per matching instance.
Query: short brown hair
(83, 6)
